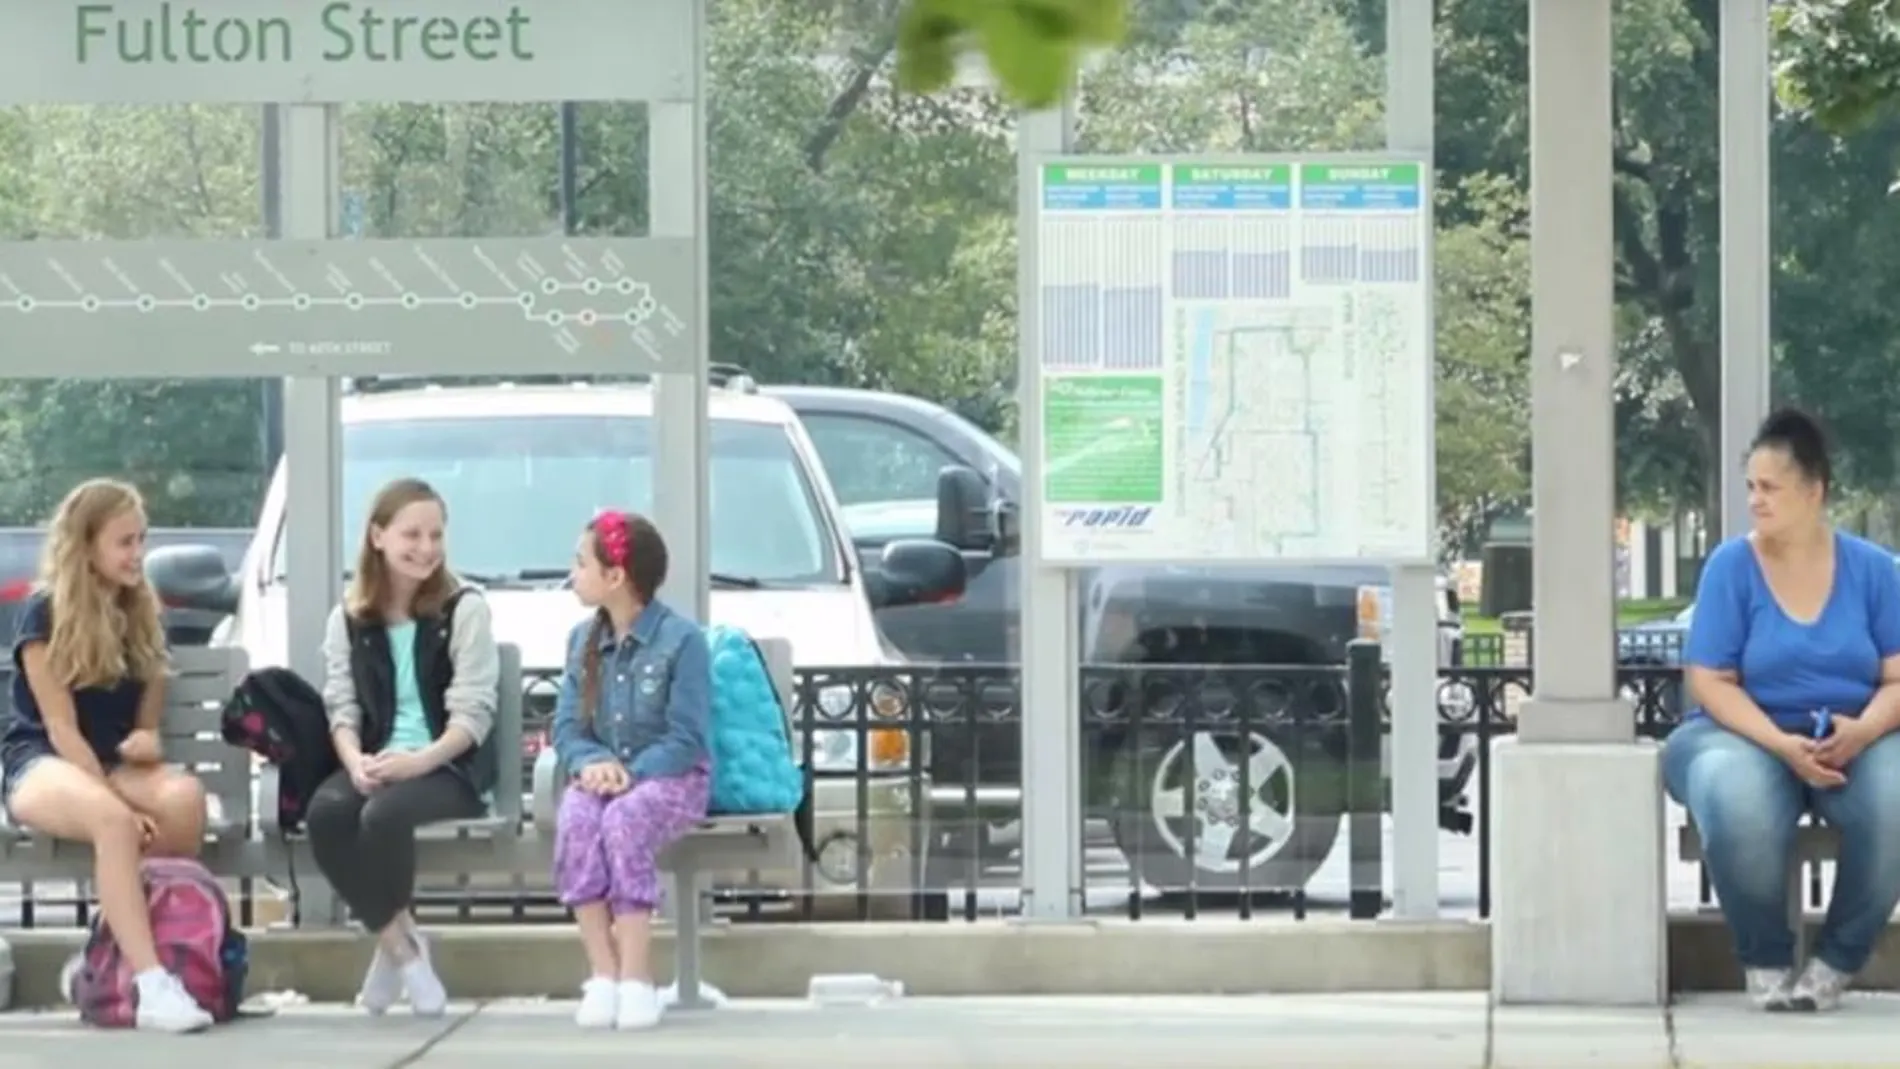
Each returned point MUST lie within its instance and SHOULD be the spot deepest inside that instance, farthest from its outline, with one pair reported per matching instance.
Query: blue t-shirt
(1793, 669)
(411, 729)
(106, 714)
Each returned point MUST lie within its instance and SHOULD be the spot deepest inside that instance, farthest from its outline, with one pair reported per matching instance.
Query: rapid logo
(1122, 517)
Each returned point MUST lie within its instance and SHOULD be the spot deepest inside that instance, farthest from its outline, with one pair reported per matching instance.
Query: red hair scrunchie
(616, 538)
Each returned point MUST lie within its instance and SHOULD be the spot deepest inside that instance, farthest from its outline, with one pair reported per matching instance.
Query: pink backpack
(191, 921)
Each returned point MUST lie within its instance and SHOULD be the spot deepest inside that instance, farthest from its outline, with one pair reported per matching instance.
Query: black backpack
(278, 716)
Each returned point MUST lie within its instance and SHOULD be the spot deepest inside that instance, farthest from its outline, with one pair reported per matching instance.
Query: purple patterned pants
(607, 848)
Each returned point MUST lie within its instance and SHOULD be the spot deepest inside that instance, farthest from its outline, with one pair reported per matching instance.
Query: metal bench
(454, 848)
(1813, 844)
(719, 844)
(200, 681)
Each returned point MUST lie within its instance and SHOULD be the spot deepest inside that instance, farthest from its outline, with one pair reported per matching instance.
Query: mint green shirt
(411, 730)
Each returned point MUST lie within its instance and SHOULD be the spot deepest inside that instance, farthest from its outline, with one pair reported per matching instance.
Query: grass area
(1628, 614)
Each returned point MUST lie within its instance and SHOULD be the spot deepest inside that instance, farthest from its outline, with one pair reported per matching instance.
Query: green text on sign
(1394, 174)
(1270, 174)
(1102, 439)
(178, 34)
(1141, 174)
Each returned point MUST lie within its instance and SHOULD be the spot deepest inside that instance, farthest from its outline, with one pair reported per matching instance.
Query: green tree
(1838, 60)
(81, 173)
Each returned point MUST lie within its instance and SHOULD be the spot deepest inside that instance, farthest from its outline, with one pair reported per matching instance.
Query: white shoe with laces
(1768, 988)
(165, 1005)
(1818, 989)
(600, 1003)
(382, 984)
(639, 1006)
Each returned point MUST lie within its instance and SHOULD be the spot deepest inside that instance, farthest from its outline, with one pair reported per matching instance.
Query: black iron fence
(1241, 789)
(1478, 703)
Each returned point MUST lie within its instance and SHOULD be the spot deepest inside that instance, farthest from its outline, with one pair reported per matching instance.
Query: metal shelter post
(1747, 335)
(1052, 870)
(1409, 126)
(1579, 913)
(310, 154)
(676, 132)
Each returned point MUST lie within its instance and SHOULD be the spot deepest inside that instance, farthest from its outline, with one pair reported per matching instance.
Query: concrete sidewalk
(1441, 1031)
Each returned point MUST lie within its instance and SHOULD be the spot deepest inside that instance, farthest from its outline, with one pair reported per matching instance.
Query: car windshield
(519, 489)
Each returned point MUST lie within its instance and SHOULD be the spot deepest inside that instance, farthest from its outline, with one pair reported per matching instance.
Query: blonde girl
(81, 757)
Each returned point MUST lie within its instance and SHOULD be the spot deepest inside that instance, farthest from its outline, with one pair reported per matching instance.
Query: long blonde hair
(102, 632)
(369, 588)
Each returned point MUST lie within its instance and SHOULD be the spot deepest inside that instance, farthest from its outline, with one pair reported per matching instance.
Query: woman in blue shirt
(1794, 666)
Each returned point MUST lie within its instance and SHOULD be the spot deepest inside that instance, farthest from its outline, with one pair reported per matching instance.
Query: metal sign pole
(1053, 867)
(1409, 128)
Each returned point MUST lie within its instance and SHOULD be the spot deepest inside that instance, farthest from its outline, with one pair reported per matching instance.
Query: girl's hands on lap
(142, 748)
(363, 775)
(395, 767)
(605, 778)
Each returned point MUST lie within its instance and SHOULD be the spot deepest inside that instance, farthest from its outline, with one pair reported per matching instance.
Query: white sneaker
(165, 1005)
(600, 1003)
(1768, 988)
(427, 996)
(639, 1006)
(1818, 989)
(382, 984)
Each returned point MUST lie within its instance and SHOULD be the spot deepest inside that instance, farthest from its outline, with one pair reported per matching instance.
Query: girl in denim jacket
(630, 730)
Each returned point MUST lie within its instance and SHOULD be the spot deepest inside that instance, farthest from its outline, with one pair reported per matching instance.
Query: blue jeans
(1746, 803)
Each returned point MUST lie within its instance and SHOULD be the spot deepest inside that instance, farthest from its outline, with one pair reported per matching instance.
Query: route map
(1235, 361)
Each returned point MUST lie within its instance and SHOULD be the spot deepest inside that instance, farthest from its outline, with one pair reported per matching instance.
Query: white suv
(522, 468)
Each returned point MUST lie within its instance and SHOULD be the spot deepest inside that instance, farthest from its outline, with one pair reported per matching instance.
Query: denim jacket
(655, 697)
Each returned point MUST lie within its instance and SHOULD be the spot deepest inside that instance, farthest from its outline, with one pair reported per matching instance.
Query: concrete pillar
(1746, 338)
(1577, 847)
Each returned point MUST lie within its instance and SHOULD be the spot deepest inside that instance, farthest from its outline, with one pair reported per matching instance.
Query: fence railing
(1241, 789)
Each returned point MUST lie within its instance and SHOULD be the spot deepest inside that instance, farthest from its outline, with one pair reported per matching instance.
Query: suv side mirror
(193, 577)
(915, 571)
(963, 509)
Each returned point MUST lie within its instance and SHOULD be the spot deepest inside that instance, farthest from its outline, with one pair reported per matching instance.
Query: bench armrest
(550, 778)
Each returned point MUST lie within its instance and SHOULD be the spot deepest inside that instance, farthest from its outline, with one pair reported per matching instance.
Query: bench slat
(1813, 842)
(199, 688)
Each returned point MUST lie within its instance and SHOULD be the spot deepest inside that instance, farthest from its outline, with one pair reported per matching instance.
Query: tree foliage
(1838, 60)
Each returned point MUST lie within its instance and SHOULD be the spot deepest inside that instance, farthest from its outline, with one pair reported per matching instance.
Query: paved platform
(1441, 1031)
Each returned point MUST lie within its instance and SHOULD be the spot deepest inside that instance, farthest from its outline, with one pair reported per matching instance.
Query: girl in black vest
(409, 683)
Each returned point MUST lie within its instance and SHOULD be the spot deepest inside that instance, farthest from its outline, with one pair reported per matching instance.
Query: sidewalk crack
(448, 1029)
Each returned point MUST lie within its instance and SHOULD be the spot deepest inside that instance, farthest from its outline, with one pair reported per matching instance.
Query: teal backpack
(753, 770)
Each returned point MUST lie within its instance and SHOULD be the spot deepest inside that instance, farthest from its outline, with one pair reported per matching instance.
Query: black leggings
(366, 846)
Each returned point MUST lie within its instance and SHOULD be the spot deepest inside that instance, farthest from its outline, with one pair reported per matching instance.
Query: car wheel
(1289, 828)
